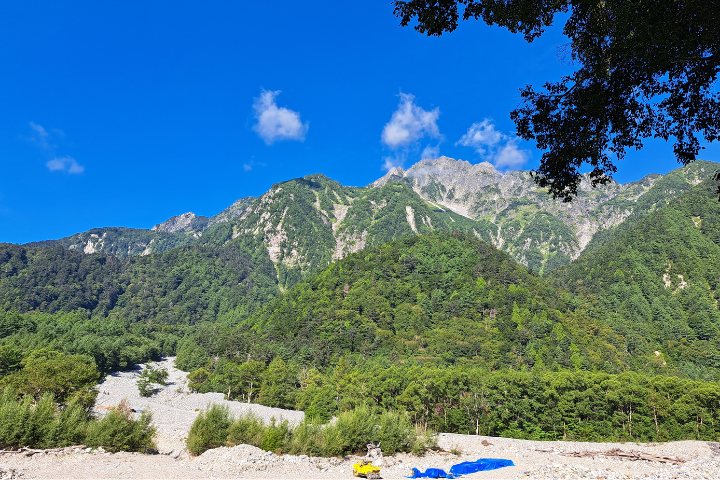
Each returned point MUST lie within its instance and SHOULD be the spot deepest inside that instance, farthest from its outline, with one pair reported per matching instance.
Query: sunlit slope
(658, 282)
(437, 298)
(307, 223)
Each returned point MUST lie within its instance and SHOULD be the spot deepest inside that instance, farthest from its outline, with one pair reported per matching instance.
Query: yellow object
(366, 469)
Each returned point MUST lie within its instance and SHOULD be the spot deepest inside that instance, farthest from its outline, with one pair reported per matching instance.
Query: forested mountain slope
(658, 281)
(184, 285)
(456, 333)
(438, 299)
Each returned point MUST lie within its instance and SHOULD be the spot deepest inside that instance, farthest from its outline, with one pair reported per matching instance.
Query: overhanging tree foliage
(647, 68)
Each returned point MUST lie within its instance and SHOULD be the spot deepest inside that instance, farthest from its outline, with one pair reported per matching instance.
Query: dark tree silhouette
(646, 68)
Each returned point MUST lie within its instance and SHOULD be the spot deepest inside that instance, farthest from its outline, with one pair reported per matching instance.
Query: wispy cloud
(430, 152)
(408, 125)
(392, 161)
(277, 123)
(40, 135)
(494, 146)
(64, 164)
(43, 138)
(247, 167)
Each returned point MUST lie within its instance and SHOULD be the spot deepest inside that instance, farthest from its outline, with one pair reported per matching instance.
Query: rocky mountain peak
(186, 222)
(395, 174)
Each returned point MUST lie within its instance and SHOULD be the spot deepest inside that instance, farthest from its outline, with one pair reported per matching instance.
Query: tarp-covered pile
(463, 468)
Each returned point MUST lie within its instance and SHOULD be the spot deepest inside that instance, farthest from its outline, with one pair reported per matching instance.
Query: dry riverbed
(175, 408)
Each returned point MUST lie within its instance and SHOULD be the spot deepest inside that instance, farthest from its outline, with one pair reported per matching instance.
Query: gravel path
(174, 410)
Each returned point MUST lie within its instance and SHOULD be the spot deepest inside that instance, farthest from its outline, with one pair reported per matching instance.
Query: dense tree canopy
(645, 69)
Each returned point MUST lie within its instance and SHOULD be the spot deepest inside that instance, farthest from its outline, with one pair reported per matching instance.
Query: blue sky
(126, 113)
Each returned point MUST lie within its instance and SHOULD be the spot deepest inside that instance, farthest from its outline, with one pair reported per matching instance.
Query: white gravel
(174, 407)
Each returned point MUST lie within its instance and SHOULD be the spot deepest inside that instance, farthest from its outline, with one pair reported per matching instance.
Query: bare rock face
(530, 225)
(191, 223)
(180, 223)
(395, 174)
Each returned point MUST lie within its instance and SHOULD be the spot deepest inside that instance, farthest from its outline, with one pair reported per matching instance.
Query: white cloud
(64, 164)
(247, 167)
(409, 123)
(481, 135)
(494, 146)
(277, 123)
(430, 152)
(510, 156)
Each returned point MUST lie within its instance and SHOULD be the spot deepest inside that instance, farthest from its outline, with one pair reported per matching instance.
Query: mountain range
(409, 268)
(306, 223)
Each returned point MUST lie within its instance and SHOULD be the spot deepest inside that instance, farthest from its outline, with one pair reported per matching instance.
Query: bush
(247, 429)
(118, 431)
(22, 421)
(275, 437)
(306, 439)
(423, 440)
(66, 377)
(349, 434)
(356, 428)
(155, 375)
(144, 387)
(332, 443)
(210, 429)
(45, 424)
(396, 433)
(69, 426)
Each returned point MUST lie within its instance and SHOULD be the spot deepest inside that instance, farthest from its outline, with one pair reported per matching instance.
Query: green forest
(621, 344)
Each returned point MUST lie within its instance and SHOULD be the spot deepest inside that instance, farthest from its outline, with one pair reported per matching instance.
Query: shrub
(43, 424)
(155, 375)
(197, 380)
(247, 429)
(423, 440)
(144, 387)
(210, 429)
(356, 428)
(348, 434)
(118, 431)
(306, 439)
(396, 433)
(66, 377)
(22, 421)
(332, 443)
(276, 436)
(69, 426)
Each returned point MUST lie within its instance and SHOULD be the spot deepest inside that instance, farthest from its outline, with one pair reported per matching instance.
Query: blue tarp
(463, 468)
(481, 465)
(429, 473)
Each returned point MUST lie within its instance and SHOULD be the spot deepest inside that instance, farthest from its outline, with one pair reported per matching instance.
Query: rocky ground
(174, 409)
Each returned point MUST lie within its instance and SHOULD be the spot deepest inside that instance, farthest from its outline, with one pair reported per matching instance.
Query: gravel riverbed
(174, 409)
